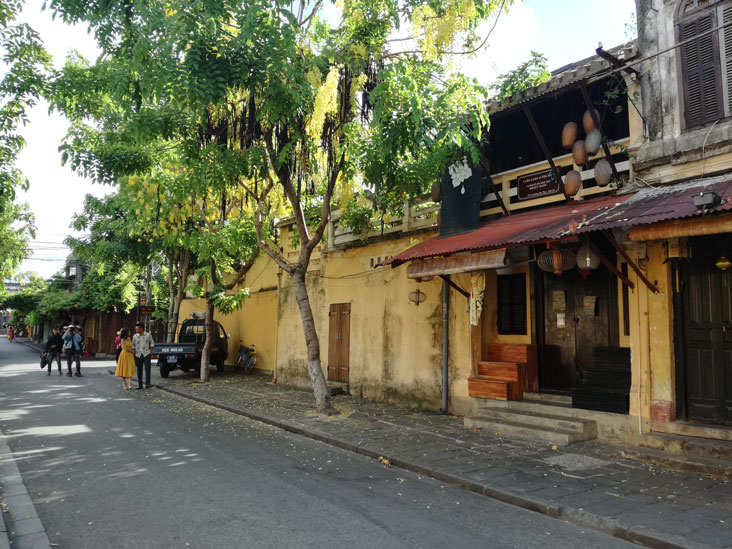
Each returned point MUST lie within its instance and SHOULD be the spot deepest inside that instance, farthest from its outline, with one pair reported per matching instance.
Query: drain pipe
(445, 340)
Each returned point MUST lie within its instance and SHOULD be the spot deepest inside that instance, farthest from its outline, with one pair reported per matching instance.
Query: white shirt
(142, 344)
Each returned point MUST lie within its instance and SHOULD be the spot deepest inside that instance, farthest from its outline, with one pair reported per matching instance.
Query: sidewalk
(587, 484)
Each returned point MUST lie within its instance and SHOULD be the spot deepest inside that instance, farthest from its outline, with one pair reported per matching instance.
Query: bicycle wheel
(250, 364)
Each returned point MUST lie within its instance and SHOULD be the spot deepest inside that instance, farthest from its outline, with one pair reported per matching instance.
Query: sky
(563, 30)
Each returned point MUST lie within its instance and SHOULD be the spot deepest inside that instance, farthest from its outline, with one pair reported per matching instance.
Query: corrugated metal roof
(653, 205)
(550, 223)
(568, 75)
(645, 207)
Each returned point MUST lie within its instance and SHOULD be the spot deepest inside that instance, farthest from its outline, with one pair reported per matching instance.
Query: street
(107, 468)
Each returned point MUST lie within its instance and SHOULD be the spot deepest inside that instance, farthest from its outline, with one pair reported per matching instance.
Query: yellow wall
(256, 322)
(651, 335)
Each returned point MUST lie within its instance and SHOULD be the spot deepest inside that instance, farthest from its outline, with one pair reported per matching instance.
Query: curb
(19, 525)
(628, 532)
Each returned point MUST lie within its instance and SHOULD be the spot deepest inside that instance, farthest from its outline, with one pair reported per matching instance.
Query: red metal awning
(567, 221)
(547, 224)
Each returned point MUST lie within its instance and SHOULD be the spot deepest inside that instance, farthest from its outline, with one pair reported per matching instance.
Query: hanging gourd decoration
(603, 172)
(556, 260)
(579, 154)
(435, 193)
(572, 182)
(586, 258)
(593, 142)
(587, 122)
(570, 131)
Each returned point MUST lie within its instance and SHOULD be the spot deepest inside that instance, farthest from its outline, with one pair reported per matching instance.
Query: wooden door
(339, 342)
(567, 349)
(707, 327)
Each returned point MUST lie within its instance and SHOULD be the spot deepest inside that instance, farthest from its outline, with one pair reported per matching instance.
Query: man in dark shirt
(54, 344)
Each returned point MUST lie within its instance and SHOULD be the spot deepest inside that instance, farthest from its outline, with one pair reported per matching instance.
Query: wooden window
(701, 71)
(512, 304)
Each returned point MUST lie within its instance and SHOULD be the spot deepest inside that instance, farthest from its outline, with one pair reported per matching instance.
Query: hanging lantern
(570, 131)
(579, 153)
(556, 260)
(587, 258)
(587, 122)
(593, 142)
(417, 297)
(572, 182)
(603, 172)
(723, 263)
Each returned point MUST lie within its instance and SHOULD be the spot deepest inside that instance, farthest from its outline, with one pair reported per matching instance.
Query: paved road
(108, 468)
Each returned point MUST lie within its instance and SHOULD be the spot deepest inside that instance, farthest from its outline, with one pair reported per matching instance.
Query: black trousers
(54, 355)
(71, 356)
(143, 361)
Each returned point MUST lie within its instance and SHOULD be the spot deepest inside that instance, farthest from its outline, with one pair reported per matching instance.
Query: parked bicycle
(247, 358)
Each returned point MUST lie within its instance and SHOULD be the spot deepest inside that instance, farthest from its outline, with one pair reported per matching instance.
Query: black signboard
(537, 184)
(461, 192)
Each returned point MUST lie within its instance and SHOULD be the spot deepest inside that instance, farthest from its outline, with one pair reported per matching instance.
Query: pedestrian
(54, 344)
(118, 342)
(11, 333)
(72, 349)
(126, 361)
(143, 344)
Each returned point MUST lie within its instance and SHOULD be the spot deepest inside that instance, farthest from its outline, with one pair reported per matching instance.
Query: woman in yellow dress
(126, 362)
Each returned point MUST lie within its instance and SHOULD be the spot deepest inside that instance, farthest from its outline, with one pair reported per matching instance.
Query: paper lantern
(586, 258)
(572, 183)
(570, 131)
(603, 172)
(587, 122)
(593, 142)
(556, 260)
(579, 154)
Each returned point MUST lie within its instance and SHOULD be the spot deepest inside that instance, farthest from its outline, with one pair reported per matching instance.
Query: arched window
(705, 59)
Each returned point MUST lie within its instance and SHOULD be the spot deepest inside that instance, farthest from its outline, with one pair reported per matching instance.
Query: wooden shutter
(724, 16)
(512, 304)
(701, 78)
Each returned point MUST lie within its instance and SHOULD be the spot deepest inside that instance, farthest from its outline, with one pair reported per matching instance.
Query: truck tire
(220, 365)
(164, 369)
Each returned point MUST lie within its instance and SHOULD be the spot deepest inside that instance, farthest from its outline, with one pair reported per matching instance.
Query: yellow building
(549, 304)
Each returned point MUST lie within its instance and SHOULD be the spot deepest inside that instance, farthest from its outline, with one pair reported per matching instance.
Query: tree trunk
(206, 354)
(315, 369)
(172, 293)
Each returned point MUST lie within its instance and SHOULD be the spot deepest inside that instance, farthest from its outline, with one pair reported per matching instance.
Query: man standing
(142, 345)
(54, 345)
(72, 349)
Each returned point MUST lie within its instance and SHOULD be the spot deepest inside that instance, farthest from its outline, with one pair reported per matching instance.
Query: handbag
(44, 360)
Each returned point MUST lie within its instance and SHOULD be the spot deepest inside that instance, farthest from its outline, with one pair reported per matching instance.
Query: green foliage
(25, 69)
(356, 217)
(527, 75)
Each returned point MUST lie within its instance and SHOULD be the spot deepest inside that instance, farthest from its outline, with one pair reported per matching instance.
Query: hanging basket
(556, 260)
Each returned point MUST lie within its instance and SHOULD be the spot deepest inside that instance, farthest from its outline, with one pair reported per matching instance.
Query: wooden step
(499, 389)
(505, 352)
(507, 371)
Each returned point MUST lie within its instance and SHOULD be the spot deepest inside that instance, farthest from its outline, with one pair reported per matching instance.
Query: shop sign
(537, 184)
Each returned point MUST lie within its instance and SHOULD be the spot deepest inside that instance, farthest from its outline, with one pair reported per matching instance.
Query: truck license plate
(172, 358)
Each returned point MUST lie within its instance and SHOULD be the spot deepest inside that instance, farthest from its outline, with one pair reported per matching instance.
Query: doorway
(339, 342)
(576, 315)
(705, 345)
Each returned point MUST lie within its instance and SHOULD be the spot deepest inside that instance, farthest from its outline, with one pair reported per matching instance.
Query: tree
(297, 107)
(26, 64)
(527, 75)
